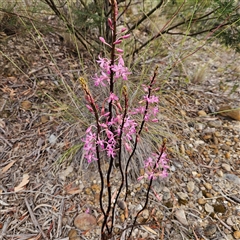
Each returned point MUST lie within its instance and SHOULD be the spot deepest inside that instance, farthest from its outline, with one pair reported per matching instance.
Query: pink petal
(102, 39)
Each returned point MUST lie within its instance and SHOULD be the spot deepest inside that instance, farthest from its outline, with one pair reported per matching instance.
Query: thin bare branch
(34, 220)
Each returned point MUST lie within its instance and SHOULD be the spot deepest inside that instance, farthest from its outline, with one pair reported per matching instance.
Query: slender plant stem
(110, 108)
(125, 9)
(73, 29)
(120, 154)
(91, 101)
(139, 131)
(165, 30)
(145, 16)
(149, 187)
(99, 164)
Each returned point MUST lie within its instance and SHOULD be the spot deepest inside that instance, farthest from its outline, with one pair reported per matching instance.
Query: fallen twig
(195, 235)
(229, 197)
(59, 227)
(4, 229)
(6, 141)
(223, 223)
(34, 220)
(224, 235)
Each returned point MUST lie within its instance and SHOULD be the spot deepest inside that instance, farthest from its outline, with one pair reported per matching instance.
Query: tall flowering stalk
(115, 128)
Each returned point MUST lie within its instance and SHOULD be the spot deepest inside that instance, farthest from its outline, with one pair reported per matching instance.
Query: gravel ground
(45, 185)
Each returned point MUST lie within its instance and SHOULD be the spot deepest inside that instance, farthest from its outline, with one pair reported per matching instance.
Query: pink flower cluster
(156, 166)
(118, 122)
(105, 64)
(150, 115)
(119, 69)
(107, 139)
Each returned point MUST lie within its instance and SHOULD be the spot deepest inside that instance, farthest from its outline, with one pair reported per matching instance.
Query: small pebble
(219, 173)
(194, 174)
(219, 208)
(26, 105)
(198, 142)
(225, 147)
(122, 204)
(166, 193)
(227, 155)
(202, 113)
(210, 230)
(182, 196)
(208, 186)
(145, 213)
(217, 134)
(227, 167)
(52, 139)
(209, 195)
(44, 118)
(181, 217)
(236, 234)
(232, 178)
(201, 201)
(228, 143)
(215, 124)
(172, 168)
(122, 217)
(236, 140)
(85, 221)
(207, 136)
(215, 140)
(190, 186)
(199, 126)
(73, 235)
(208, 208)
(230, 222)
